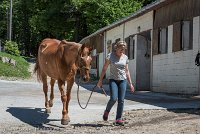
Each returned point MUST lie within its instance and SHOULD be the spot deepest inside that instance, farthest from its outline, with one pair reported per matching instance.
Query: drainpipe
(123, 31)
(151, 66)
(198, 51)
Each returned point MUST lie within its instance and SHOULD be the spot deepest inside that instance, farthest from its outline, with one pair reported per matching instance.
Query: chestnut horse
(60, 60)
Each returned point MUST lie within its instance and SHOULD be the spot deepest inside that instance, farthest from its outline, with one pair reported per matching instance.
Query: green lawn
(18, 71)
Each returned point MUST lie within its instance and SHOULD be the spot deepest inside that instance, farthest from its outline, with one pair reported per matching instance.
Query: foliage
(19, 71)
(99, 13)
(34, 20)
(11, 47)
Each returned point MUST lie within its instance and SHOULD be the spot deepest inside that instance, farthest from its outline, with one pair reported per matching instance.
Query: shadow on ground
(35, 117)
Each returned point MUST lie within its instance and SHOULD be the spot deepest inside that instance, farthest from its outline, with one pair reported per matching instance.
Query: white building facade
(163, 41)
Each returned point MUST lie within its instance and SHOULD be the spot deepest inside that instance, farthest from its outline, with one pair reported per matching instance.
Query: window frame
(130, 51)
(163, 40)
(189, 33)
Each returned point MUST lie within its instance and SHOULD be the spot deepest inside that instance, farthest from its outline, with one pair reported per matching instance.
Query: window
(187, 35)
(155, 41)
(160, 41)
(130, 47)
(127, 40)
(163, 41)
(182, 35)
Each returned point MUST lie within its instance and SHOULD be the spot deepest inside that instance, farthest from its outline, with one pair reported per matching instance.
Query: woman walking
(119, 76)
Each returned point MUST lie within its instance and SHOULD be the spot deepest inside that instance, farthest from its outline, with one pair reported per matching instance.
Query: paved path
(23, 102)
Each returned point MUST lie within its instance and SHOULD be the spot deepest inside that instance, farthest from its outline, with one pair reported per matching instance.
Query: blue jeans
(117, 93)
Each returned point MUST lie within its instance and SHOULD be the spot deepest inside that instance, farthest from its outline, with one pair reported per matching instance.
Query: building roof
(153, 6)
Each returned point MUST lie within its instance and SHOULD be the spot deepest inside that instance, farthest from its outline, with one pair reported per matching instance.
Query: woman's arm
(105, 66)
(129, 78)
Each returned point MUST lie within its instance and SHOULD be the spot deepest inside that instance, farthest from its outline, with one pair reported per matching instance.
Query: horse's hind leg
(52, 82)
(45, 90)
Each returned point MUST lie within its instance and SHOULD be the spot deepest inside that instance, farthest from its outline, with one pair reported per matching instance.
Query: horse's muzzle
(86, 79)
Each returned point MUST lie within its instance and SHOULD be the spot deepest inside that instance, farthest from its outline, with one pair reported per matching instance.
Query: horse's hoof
(50, 103)
(48, 110)
(64, 121)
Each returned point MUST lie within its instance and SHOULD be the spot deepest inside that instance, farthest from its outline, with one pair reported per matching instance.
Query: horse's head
(85, 62)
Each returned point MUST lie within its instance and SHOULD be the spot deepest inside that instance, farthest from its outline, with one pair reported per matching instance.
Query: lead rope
(89, 96)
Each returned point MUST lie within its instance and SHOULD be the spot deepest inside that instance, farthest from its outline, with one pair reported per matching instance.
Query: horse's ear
(83, 46)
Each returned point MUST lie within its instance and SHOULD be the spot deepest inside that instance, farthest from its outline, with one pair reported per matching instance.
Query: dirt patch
(184, 121)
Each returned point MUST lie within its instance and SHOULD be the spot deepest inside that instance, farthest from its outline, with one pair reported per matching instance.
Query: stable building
(163, 40)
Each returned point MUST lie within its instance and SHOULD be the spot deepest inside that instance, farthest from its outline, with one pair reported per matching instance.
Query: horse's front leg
(69, 87)
(65, 117)
(52, 82)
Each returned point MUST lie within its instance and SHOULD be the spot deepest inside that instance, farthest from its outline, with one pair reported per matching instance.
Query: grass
(18, 71)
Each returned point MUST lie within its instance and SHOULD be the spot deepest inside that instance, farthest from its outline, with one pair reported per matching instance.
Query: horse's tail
(38, 71)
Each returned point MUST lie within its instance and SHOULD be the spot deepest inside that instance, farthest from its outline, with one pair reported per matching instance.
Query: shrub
(21, 70)
(11, 47)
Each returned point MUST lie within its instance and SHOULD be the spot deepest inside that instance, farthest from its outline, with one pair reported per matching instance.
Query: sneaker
(119, 123)
(105, 115)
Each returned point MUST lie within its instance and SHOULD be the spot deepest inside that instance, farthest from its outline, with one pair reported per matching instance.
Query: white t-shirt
(117, 66)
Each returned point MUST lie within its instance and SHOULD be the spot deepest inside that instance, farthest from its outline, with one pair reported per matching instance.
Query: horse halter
(79, 64)
(80, 68)
(84, 67)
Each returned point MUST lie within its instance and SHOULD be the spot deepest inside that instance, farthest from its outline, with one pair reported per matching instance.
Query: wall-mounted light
(138, 29)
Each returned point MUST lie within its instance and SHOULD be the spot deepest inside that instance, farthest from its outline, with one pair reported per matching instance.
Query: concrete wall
(175, 72)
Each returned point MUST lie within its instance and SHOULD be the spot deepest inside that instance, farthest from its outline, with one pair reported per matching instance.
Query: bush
(21, 70)
(11, 47)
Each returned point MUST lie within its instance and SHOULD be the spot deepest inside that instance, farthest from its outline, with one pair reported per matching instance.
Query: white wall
(115, 33)
(176, 72)
(145, 22)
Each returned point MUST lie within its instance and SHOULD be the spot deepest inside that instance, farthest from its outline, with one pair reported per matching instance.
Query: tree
(34, 20)
(96, 14)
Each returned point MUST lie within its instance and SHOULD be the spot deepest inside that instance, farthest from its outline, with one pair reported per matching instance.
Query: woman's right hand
(99, 84)
(132, 88)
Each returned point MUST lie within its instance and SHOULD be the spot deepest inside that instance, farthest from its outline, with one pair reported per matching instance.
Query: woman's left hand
(132, 88)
